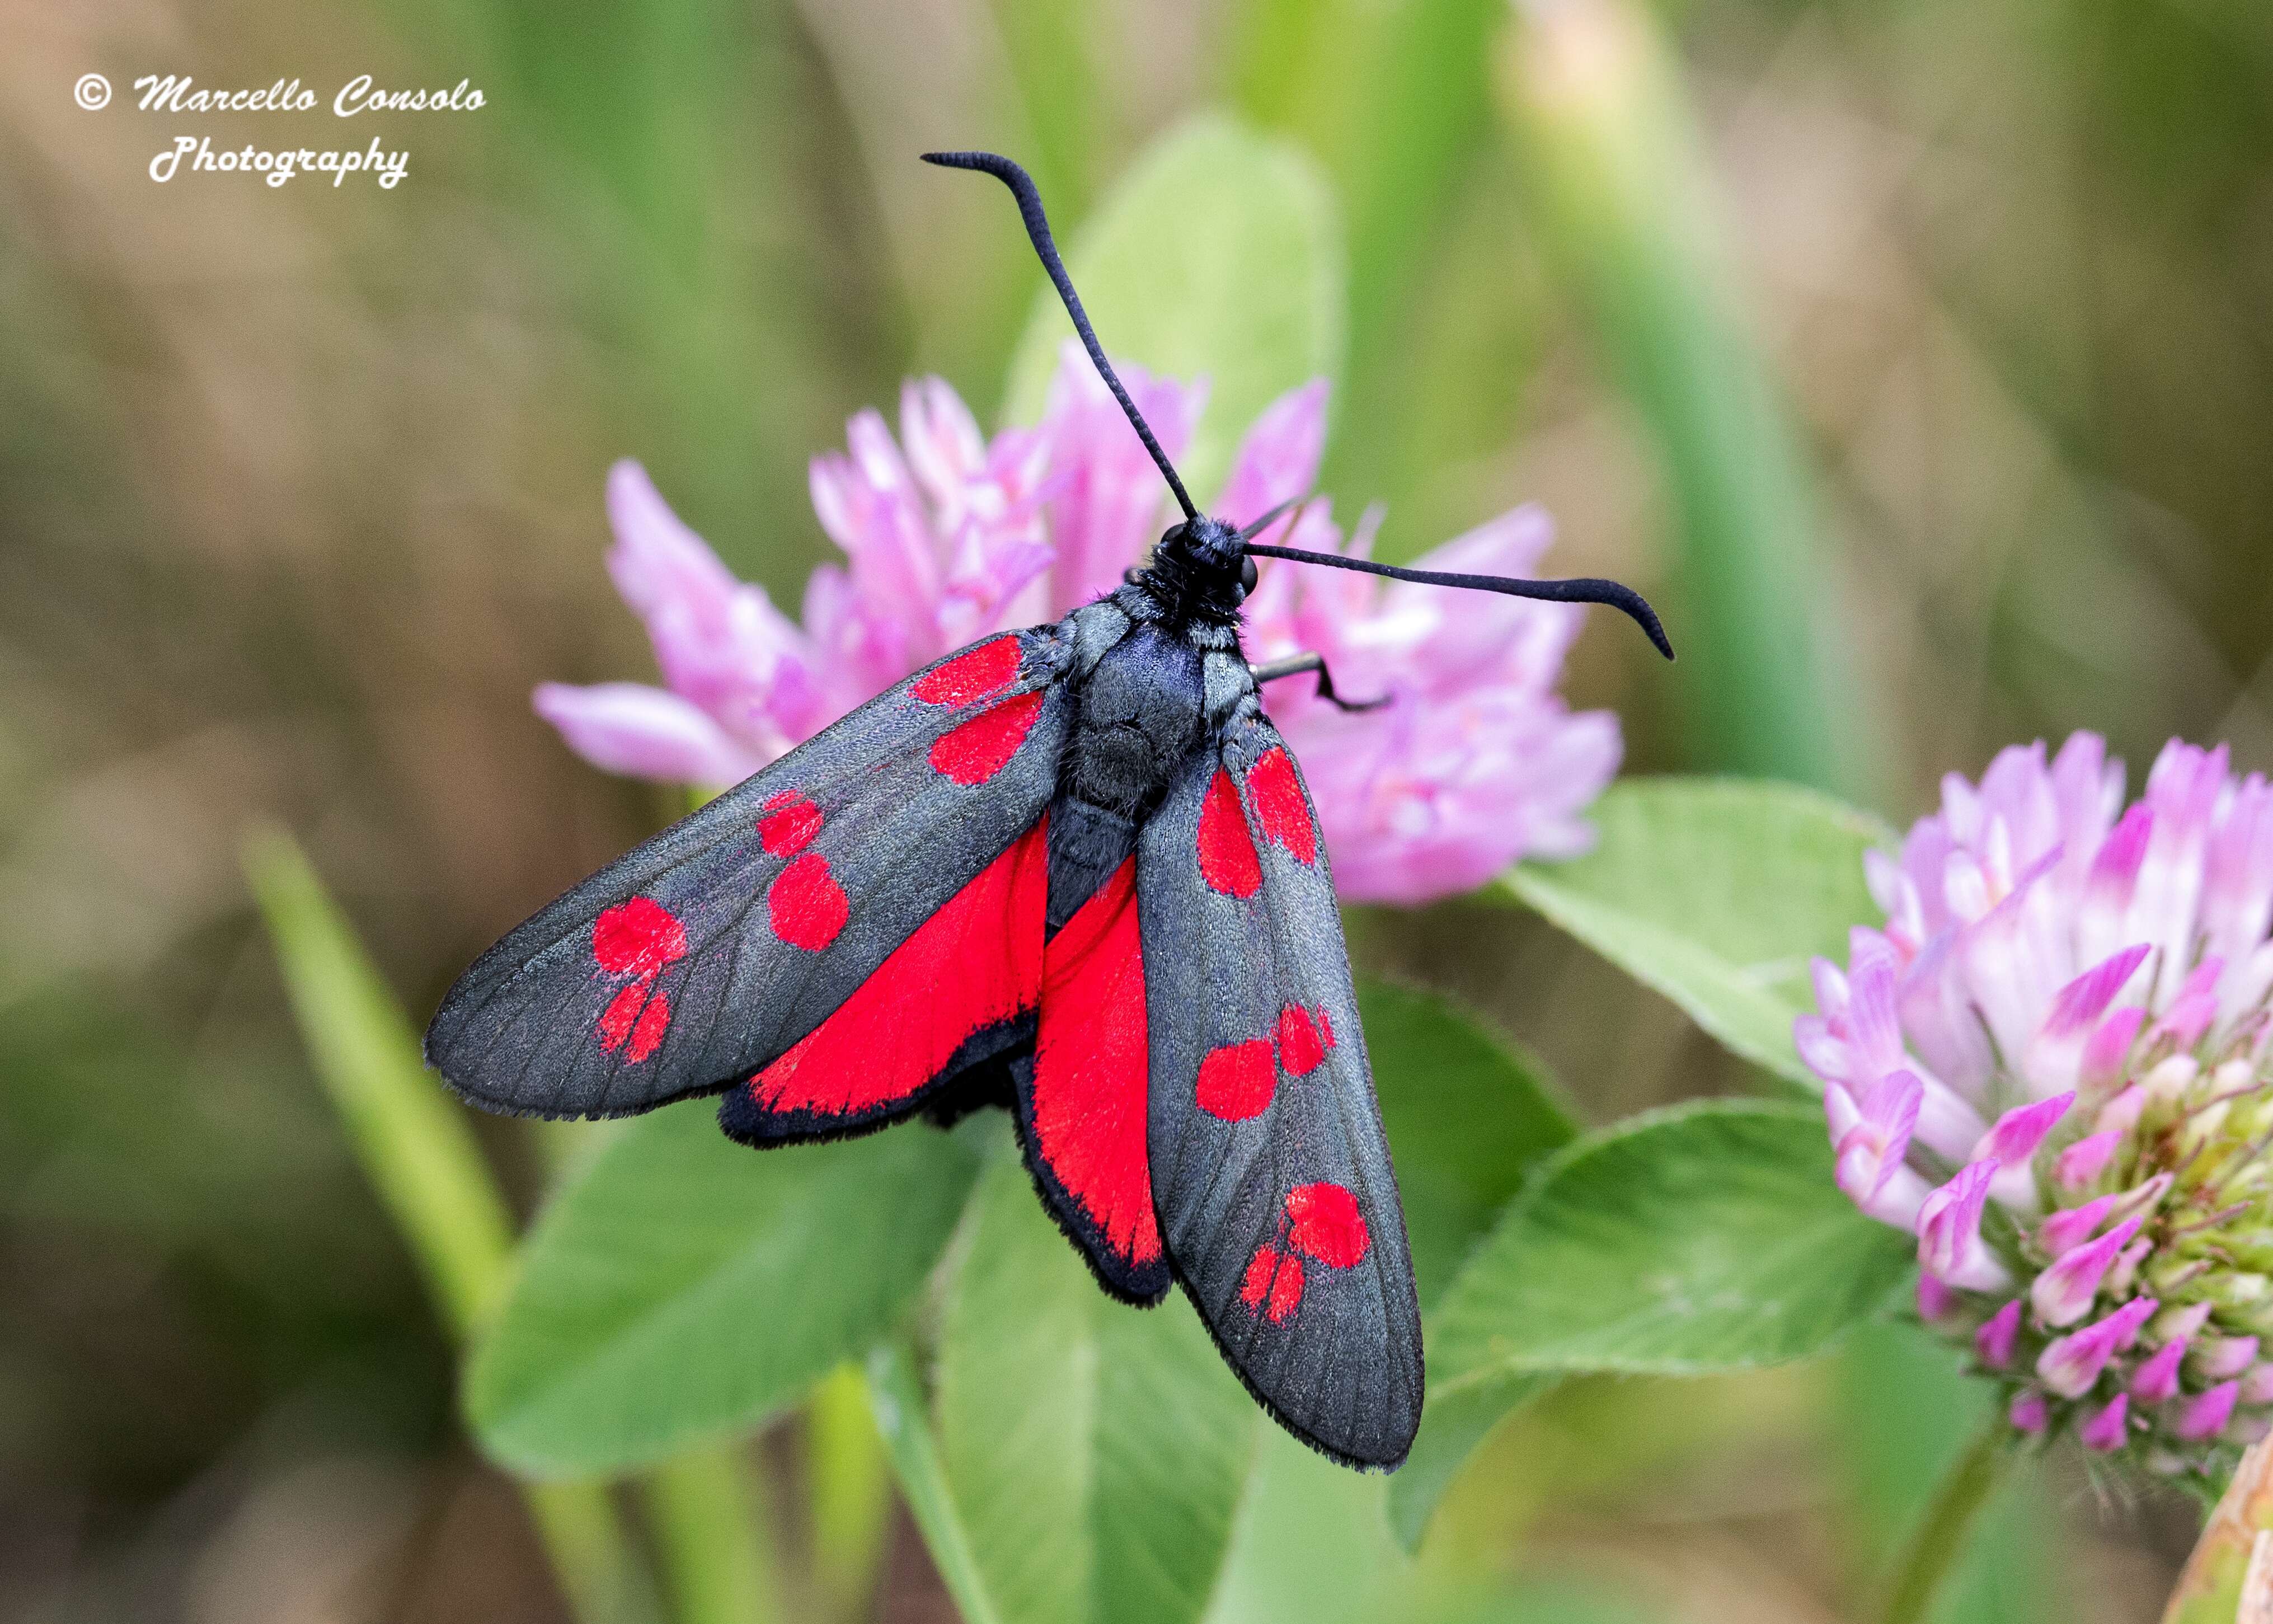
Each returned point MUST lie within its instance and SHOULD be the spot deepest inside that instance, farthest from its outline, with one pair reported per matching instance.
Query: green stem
(711, 1531)
(421, 1157)
(1940, 1540)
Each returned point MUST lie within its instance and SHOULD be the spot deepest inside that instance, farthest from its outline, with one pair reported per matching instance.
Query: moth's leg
(1295, 665)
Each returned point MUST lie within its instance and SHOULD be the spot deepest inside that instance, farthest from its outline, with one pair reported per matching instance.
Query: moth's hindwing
(1082, 1096)
(1269, 1169)
(877, 893)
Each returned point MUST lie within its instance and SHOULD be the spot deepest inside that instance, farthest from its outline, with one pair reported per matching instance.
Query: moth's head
(1207, 561)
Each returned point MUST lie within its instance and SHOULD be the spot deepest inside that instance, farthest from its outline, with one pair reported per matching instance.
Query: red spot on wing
(1091, 1064)
(1273, 1285)
(983, 745)
(1228, 860)
(983, 669)
(1237, 1080)
(1280, 806)
(1304, 1037)
(790, 823)
(976, 963)
(806, 905)
(1325, 1224)
(637, 937)
(638, 1013)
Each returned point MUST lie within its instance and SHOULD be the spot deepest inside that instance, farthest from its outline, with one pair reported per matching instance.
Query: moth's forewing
(1269, 1168)
(700, 959)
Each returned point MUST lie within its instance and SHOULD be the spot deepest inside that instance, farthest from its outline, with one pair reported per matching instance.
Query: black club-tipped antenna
(1037, 227)
(1584, 589)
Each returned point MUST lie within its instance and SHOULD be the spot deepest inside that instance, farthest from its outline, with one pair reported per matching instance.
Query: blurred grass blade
(1053, 64)
(419, 1153)
(904, 1420)
(414, 1141)
(1395, 100)
(2227, 1559)
(718, 1556)
(850, 1479)
(1605, 139)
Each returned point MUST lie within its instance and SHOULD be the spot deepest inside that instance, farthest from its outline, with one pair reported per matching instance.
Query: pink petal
(2156, 1378)
(2086, 1160)
(2109, 1048)
(2158, 1374)
(1277, 459)
(2069, 1366)
(1994, 1341)
(2017, 1133)
(645, 732)
(2083, 1000)
(2216, 1357)
(1949, 1231)
(2029, 1412)
(2207, 1413)
(2063, 1293)
(2105, 1430)
(2070, 1227)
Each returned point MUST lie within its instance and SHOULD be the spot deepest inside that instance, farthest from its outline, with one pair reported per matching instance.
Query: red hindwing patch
(1238, 1079)
(806, 904)
(1090, 1064)
(976, 963)
(1273, 1285)
(1279, 806)
(983, 745)
(1304, 1037)
(790, 823)
(637, 937)
(971, 675)
(1228, 860)
(1326, 1224)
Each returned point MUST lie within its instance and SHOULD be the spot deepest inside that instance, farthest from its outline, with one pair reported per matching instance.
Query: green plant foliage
(1097, 1452)
(1468, 1114)
(1706, 1237)
(1454, 1422)
(1716, 892)
(1218, 253)
(682, 1288)
(1311, 1546)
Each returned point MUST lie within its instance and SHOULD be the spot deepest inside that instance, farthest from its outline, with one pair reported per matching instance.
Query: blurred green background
(1916, 357)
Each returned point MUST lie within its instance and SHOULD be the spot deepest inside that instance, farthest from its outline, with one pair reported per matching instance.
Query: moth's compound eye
(1247, 573)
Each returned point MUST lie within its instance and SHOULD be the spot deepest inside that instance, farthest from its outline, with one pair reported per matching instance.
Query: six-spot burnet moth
(1072, 870)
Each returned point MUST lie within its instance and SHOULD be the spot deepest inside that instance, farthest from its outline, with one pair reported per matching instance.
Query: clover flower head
(2051, 1063)
(947, 535)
